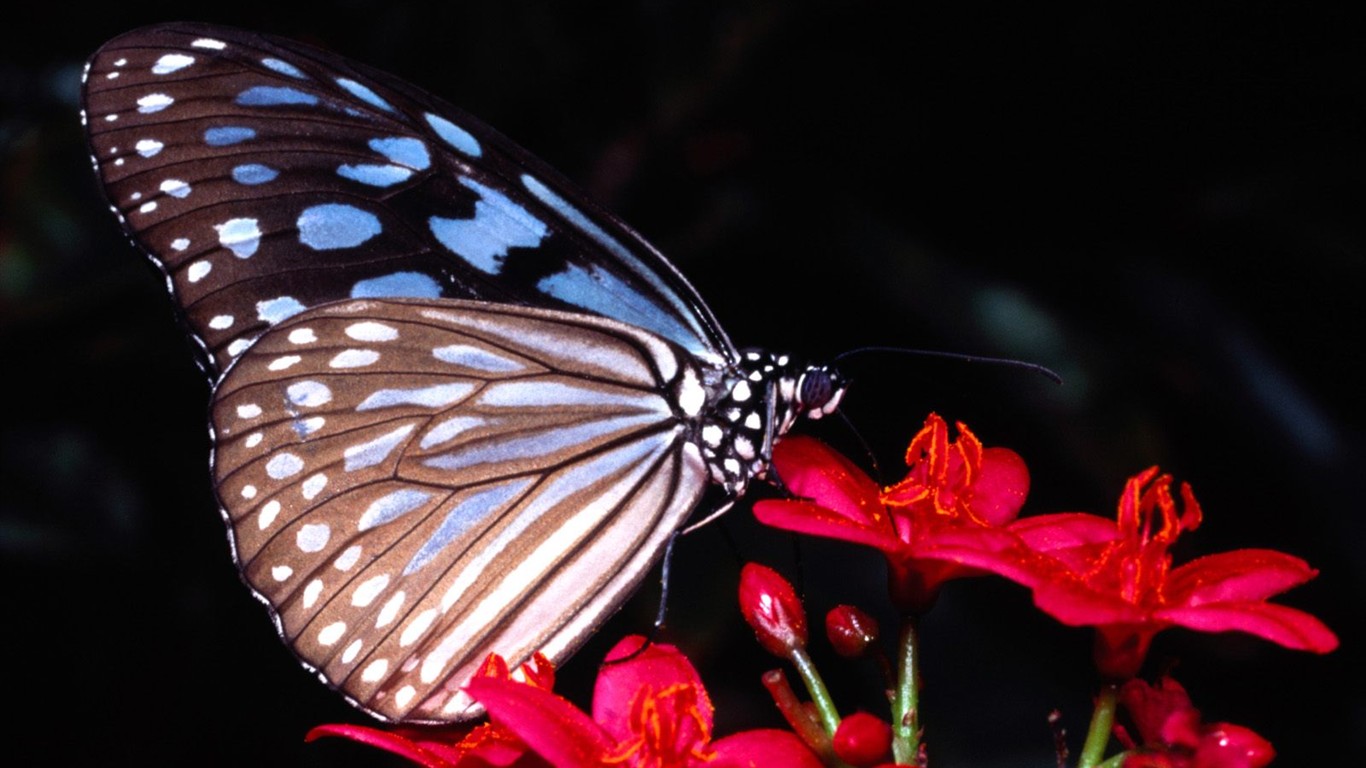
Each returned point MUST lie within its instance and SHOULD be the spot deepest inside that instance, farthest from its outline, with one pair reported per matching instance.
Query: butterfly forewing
(266, 177)
(412, 486)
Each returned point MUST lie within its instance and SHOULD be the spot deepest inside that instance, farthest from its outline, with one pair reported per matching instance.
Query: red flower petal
(1280, 624)
(1001, 488)
(815, 520)
(812, 470)
(385, 740)
(1232, 746)
(1064, 530)
(1075, 604)
(764, 748)
(549, 725)
(1244, 574)
(659, 667)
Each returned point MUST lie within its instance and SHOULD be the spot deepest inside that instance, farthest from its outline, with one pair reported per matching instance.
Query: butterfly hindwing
(414, 485)
(266, 177)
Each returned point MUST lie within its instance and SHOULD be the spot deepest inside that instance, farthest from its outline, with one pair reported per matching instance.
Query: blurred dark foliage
(1165, 206)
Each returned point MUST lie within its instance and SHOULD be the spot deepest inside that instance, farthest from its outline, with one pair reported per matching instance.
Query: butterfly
(457, 408)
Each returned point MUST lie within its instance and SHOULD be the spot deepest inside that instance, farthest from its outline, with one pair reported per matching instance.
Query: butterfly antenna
(1044, 371)
(867, 449)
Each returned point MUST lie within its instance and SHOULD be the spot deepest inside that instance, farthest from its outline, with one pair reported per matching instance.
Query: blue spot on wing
(454, 135)
(254, 173)
(282, 308)
(364, 94)
(498, 224)
(606, 294)
(404, 150)
(602, 293)
(283, 67)
(333, 225)
(274, 95)
(228, 135)
(399, 285)
(375, 175)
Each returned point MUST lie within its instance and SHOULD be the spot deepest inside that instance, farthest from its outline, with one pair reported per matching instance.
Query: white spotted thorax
(458, 409)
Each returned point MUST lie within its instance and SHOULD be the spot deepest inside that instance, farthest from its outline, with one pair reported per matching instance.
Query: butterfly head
(819, 390)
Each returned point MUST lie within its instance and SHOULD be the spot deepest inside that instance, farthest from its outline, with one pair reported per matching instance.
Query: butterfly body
(458, 409)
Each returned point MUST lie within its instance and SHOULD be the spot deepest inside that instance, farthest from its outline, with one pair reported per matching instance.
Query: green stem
(820, 695)
(1102, 723)
(906, 700)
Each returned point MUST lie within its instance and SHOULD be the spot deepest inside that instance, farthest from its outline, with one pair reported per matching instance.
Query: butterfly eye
(820, 390)
(458, 409)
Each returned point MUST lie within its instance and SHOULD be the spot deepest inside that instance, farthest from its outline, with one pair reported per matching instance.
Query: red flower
(649, 711)
(850, 630)
(770, 605)
(1173, 736)
(862, 740)
(460, 746)
(945, 520)
(1117, 576)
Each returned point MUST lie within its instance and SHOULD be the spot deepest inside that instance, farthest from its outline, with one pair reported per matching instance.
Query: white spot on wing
(302, 336)
(314, 486)
(348, 558)
(309, 394)
(352, 651)
(369, 590)
(313, 537)
(269, 511)
(312, 591)
(389, 612)
(354, 358)
(332, 633)
(154, 102)
(371, 331)
(171, 62)
(284, 465)
(374, 671)
(242, 236)
(277, 309)
(417, 627)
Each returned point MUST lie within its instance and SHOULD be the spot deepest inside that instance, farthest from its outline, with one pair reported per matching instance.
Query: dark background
(1164, 206)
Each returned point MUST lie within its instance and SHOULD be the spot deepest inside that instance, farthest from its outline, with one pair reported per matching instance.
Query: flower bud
(862, 740)
(771, 607)
(851, 631)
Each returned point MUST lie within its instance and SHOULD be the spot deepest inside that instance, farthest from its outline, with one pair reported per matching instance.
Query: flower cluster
(956, 514)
